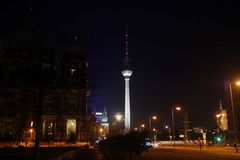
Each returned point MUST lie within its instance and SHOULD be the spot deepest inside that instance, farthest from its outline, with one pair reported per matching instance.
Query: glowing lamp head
(154, 117)
(142, 125)
(119, 117)
(237, 83)
(178, 108)
(127, 73)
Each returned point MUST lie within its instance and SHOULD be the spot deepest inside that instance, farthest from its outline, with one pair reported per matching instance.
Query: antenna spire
(126, 41)
(126, 61)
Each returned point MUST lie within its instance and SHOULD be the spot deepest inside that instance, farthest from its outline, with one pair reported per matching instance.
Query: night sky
(181, 53)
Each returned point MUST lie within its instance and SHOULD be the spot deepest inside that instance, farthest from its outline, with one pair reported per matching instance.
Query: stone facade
(35, 81)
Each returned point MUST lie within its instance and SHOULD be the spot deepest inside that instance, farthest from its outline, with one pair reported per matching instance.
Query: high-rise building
(222, 120)
(127, 72)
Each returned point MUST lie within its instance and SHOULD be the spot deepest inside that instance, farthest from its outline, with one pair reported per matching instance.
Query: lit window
(71, 126)
(73, 71)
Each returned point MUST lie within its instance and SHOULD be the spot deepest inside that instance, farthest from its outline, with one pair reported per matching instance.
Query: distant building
(102, 126)
(221, 117)
(98, 116)
(105, 124)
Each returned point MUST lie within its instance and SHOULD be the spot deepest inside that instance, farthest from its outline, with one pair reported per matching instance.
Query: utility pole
(186, 125)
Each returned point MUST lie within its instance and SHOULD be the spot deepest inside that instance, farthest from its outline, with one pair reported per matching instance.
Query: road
(161, 153)
(154, 154)
(170, 154)
(52, 153)
(86, 154)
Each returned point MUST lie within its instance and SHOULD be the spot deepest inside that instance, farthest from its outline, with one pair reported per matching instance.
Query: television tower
(127, 72)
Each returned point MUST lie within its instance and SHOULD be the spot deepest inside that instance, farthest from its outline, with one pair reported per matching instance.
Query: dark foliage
(127, 143)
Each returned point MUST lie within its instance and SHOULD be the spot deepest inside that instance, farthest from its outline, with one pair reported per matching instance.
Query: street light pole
(173, 128)
(150, 124)
(142, 126)
(169, 132)
(150, 127)
(155, 134)
(119, 121)
(234, 119)
(101, 130)
(173, 123)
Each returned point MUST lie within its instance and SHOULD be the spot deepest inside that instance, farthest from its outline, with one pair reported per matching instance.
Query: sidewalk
(220, 151)
(42, 144)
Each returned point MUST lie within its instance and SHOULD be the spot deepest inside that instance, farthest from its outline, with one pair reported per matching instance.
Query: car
(148, 143)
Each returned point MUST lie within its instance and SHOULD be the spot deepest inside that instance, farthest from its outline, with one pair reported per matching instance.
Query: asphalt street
(152, 154)
(163, 154)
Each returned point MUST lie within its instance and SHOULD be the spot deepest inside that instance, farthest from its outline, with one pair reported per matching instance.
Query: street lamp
(150, 124)
(101, 130)
(169, 132)
(31, 133)
(119, 122)
(141, 127)
(173, 123)
(119, 117)
(233, 113)
(154, 134)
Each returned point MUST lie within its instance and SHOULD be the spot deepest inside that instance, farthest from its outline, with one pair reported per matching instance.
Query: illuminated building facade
(102, 127)
(221, 117)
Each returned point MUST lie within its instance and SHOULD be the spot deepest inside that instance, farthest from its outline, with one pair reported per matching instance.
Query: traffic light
(219, 139)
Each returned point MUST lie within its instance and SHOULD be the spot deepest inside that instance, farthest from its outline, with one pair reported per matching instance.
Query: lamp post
(101, 132)
(119, 117)
(119, 121)
(155, 134)
(31, 133)
(142, 127)
(169, 132)
(233, 114)
(173, 123)
(150, 124)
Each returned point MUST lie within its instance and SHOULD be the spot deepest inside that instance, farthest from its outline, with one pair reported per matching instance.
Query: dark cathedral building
(42, 92)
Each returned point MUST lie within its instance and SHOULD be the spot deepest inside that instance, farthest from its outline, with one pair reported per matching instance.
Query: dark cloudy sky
(180, 52)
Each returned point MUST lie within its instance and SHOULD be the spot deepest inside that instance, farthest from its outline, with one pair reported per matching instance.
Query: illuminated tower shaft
(127, 104)
(127, 74)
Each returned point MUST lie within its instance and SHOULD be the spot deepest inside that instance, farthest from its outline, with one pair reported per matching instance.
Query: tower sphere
(127, 73)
